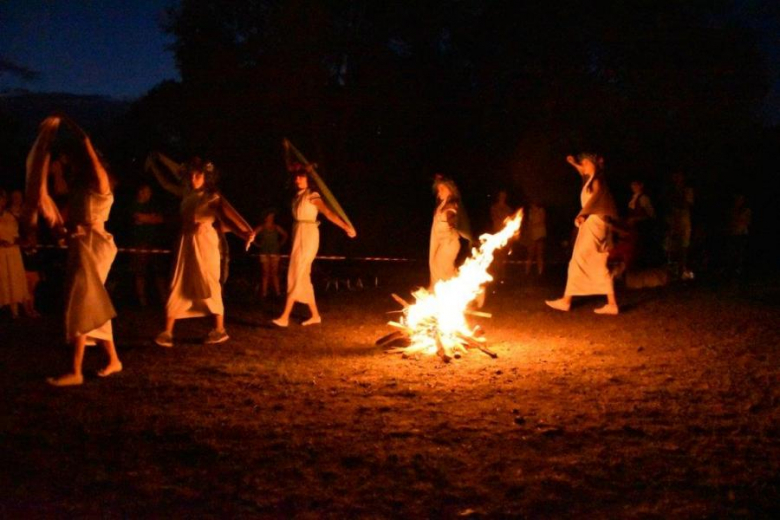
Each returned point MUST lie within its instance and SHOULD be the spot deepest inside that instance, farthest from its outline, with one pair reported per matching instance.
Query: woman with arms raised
(91, 249)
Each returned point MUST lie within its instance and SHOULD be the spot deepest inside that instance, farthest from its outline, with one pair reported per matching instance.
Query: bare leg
(275, 275)
(114, 365)
(540, 257)
(169, 323)
(266, 277)
(611, 307)
(284, 319)
(219, 322)
(315, 315)
(74, 377)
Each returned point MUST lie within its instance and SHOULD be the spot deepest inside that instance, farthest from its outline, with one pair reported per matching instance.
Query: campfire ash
(436, 322)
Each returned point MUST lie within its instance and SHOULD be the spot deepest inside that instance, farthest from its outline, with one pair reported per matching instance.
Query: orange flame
(437, 317)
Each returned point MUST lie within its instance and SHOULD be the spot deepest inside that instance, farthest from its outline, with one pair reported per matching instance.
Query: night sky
(117, 47)
(108, 47)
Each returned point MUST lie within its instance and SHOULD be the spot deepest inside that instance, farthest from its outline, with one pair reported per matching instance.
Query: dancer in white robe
(588, 271)
(305, 243)
(91, 249)
(449, 224)
(13, 281)
(195, 289)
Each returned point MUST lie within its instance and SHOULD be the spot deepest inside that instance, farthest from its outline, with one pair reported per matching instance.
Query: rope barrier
(139, 250)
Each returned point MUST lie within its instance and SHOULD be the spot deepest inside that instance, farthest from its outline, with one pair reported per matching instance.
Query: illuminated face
(501, 197)
(16, 198)
(443, 191)
(301, 182)
(269, 219)
(588, 167)
(144, 194)
(636, 187)
(197, 179)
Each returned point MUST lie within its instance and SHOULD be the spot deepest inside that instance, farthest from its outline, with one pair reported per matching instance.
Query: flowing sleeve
(38, 198)
(164, 177)
(232, 218)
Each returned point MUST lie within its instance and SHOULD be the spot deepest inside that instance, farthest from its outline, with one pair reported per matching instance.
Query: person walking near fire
(195, 289)
(306, 204)
(588, 271)
(450, 223)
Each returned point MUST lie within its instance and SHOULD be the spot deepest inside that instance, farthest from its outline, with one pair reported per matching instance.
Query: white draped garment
(305, 244)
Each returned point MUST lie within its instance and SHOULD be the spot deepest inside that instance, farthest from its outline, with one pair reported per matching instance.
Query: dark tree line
(382, 94)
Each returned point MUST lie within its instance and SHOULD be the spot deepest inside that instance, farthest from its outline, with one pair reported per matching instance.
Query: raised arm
(37, 192)
(175, 187)
(571, 160)
(325, 210)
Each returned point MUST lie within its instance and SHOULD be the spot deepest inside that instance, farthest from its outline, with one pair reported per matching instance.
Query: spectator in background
(147, 233)
(13, 284)
(29, 257)
(91, 249)
(270, 239)
(678, 240)
(738, 231)
(537, 234)
(499, 212)
(588, 273)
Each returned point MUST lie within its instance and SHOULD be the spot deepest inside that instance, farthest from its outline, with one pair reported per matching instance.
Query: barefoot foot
(66, 380)
(111, 368)
(559, 304)
(607, 309)
(279, 322)
(314, 320)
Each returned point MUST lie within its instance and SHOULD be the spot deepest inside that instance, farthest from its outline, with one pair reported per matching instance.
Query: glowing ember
(436, 322)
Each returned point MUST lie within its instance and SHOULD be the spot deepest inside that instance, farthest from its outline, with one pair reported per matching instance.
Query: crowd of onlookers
(651, 244)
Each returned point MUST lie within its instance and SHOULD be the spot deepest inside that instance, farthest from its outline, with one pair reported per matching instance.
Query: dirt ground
(667, 411)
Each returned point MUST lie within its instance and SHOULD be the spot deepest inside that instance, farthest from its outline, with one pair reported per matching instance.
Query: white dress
(91, 251)
(444, 247)
(305, 244)
(195, 287)
(588, 271)
(13, 282)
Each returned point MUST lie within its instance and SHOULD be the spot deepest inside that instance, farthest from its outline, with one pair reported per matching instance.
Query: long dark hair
(454, 191)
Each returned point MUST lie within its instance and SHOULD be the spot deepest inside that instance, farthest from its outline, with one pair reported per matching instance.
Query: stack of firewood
(448, 346)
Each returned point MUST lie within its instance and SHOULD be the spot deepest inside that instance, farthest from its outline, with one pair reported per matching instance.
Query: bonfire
(436, 322)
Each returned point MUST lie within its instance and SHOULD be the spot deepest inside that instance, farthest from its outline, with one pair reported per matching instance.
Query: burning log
(436, 322)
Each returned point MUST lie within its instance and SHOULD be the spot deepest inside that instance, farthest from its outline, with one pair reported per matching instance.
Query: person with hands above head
(91, 249)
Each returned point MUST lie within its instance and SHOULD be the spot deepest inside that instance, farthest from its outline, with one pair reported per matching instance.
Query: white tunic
(91, 251)
(444, 246)
(195, 287)
(13, 282)
(305, 244)
(588, 271)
